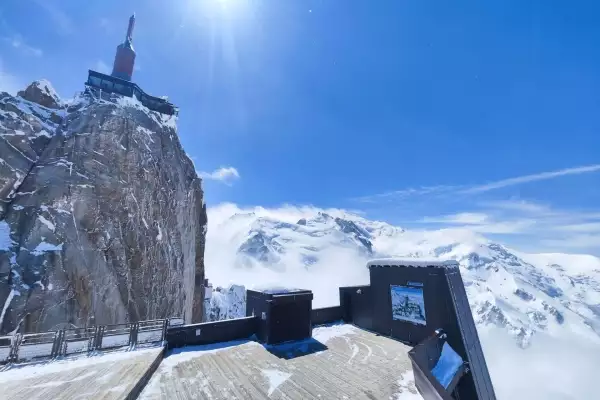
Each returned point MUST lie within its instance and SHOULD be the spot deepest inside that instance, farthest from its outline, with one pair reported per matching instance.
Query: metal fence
(21, 347)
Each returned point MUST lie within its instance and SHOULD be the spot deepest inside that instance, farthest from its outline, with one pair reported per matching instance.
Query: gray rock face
(42, 93)
(102, 214)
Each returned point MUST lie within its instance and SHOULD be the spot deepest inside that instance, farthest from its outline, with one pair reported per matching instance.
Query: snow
(7, 302)
(326, 333)
(44, 133)
(44, 246)
(226, 303)
(275, 378)
(447, 365)
(146, 131)
(159, 236)
(59, 382)
(5, 241)
(29, 351)
(115, 340)
(408, 390)
(48, 224)
(28, 371)
(178, 356)
(47, 87)
(4, 353)
(413, 262)
(150, 336)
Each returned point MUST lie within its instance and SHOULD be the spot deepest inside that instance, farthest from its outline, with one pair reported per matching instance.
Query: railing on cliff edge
(29, 346)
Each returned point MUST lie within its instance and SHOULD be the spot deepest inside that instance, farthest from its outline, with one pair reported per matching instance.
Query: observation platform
(339, 362)
(108, 375)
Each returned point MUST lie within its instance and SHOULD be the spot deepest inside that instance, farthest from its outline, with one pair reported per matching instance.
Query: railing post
(99, 336)
(133, 331)
(64, 344)
(56, 344)
(164, 330)
(93, 340)
(15, 343)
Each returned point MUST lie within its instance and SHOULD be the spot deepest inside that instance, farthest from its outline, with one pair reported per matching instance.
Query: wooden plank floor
(353, 364)
(107, 376)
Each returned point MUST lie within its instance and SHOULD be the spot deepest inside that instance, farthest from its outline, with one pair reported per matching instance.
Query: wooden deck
(342, 362)
(108, 376)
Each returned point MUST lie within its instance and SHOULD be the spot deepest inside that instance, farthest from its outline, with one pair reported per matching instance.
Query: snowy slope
(526, 302)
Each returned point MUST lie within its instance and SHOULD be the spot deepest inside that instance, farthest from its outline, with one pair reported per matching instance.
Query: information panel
(408, 304)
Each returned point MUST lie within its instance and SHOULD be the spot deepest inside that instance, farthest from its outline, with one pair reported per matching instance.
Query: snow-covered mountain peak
(520, 293)
(41, 92)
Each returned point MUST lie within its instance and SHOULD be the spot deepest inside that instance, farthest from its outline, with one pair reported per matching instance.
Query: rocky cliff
(102, 218)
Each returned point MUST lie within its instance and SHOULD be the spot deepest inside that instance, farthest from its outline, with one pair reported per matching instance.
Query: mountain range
(531, 303)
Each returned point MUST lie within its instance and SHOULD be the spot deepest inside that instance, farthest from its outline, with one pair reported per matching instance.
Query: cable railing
(22, 347)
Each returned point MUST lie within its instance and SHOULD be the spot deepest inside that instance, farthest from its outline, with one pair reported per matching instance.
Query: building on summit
(125, 57)
(119, 81)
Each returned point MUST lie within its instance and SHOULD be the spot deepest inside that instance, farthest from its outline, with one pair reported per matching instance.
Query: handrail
(94, 335)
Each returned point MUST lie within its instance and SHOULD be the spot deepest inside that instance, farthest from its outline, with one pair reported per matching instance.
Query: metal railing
(19, 347)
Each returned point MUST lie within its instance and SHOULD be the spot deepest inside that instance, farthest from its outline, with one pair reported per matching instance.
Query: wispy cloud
(18, 43)
(460, 218)
(404, 193)
(441, 191)
(224, 174)
(533, 178)
(538, 227)
(61, 20)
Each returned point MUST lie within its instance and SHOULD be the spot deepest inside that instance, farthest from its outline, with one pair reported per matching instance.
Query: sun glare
(223, 8)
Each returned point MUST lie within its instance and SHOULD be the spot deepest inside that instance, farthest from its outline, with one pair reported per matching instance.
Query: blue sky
(424, 114)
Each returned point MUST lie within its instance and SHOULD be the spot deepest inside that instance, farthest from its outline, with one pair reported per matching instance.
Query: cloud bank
(224, 174)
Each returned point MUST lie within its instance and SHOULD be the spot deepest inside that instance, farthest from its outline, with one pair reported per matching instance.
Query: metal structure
(29, 346)
(283, 314)
(399, 288)
(98, 83)
(125, 56)
(119, 81)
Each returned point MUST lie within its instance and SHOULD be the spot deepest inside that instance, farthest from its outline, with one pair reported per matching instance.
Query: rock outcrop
(102, 218)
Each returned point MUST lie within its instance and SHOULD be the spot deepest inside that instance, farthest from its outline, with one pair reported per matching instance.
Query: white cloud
(519, 206)
(533, 226)
(17, 42)
(533, 178)
(460, 218)
(445, 190)
(223, 174)
(225, 234)
(583, 227)
(405, 193)
(102, 67)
